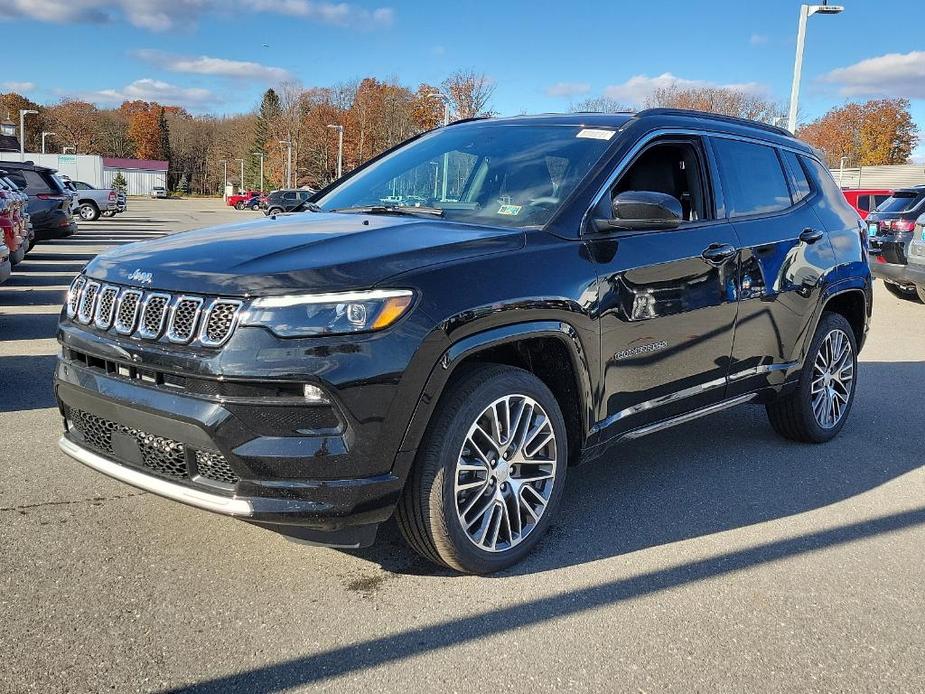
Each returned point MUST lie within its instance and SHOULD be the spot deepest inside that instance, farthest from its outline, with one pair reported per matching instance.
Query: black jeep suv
(458, 321)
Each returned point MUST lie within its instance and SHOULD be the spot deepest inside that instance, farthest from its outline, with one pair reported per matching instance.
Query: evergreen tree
(119, 182)
(270, 111)
(183, 185)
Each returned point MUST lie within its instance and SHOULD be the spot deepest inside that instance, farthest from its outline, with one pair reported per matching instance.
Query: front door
(667, 299)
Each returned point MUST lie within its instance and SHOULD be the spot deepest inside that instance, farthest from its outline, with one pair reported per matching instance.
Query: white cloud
(162, 15)
(891, 75)
(758, 39)
(639, 87)
(148, 89)
(208, 65)
(568, 89)
(19, 86)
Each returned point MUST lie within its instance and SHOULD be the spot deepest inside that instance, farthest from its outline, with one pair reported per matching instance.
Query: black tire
(109, 213)
(239, 205)
(902, 293)
(16, 257)
(274, 210)
(88, 211)
(920, 290)
(792, 415)
(427, 513)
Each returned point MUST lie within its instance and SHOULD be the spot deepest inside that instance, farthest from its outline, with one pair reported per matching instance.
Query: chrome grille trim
(219, 322)
(73, 295)
(127, 312)
(184, 314)
(88, 302)
(106, 307)
(153, 315)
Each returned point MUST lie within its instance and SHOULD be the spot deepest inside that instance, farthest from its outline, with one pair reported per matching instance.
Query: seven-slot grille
(151, 315)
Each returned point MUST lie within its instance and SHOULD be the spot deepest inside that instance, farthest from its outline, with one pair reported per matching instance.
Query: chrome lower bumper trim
(155, 485)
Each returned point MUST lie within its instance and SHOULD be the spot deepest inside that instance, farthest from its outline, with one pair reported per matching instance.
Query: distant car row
(896, 232)
(91, 203)
(275, 202)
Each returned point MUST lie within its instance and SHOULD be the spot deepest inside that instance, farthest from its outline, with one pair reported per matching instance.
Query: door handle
(718, 253)
(810, 235)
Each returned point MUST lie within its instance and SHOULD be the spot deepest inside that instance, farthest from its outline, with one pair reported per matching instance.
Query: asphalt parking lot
(713, 557)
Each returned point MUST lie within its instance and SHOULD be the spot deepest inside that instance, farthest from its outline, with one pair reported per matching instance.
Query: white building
(141, 175)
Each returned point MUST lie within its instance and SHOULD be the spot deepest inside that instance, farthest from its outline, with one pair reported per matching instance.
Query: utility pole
(23, 112)
(340, 148)
(805, 12)
(224, 163)
(446, 122)
(44, 135)
(260, 154)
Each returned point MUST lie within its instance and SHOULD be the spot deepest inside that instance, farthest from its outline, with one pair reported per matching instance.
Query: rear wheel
(275, 210)
(489, 475)
(920, 290)
(816, 411)
(88, 212)
(902, 292)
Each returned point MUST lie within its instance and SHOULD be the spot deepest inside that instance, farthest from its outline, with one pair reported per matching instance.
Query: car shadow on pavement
(27, 326)
(716, 474)
(371, 653)
(25, 382)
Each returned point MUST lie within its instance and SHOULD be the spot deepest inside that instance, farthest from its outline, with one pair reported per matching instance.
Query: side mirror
(642, 209)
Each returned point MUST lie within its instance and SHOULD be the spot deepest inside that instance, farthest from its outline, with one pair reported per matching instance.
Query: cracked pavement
(713, 557)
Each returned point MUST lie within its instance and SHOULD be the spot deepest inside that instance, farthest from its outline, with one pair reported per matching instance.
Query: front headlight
(304, 315)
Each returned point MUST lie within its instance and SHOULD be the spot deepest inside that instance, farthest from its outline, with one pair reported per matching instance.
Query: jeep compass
(450, 327)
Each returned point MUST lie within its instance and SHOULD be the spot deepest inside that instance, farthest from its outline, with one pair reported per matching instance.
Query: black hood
(302, 252)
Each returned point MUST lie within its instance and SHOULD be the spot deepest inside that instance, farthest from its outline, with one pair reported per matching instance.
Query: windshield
(483, 173)
(901, 201)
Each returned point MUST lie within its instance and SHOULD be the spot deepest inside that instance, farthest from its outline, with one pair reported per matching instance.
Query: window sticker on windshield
(510, 209)
(595, 133)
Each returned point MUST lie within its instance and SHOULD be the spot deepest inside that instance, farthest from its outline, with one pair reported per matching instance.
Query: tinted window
(753, 180)
(80, 185)
(901, 201)
(864, 202)
(823, 179)
(17, 178)
(879, 200)
(37, 183)
(798, 180)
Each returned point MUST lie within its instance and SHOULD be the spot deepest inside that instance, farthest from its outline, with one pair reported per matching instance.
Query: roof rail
(714, 116)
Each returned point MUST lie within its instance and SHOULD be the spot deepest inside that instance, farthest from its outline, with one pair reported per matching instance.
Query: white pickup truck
(92, 202)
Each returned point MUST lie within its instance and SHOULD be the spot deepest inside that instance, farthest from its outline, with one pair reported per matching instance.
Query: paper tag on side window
(595, 134)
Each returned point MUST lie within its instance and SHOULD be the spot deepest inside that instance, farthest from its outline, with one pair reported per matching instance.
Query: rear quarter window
(753, 180)
(38, 183)
(901, 202)
(798, 178)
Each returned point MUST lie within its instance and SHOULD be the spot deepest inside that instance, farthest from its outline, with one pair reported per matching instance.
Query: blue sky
(218, 55)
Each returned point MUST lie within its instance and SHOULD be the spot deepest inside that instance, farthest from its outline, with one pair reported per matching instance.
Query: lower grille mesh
(160, 455)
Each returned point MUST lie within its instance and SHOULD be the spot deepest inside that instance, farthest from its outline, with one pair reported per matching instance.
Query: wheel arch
(538, 347)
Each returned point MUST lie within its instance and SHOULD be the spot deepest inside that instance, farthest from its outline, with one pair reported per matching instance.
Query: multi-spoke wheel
(490, 472)
(816, 411)
(505, 473)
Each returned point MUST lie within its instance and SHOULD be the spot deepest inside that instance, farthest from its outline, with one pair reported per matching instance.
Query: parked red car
(240, 200)
(12, 224)
(866, 200)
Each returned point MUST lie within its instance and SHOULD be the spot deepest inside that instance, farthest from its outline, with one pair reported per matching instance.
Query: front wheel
(239, 206)
(816, 411)
(920, 290)
(274, 210)
(489, 475)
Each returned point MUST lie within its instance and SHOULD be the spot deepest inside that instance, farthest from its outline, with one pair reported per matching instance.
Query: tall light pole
(805, 12)
(44, 135)
(23, 112)
(446, 122)
(260, 154)
(241, 190)
(841, 170)
(224, 163)
(288, 144)
(340, 148)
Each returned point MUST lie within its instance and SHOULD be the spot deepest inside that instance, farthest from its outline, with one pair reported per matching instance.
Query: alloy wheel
(505, 473)
(833, 379)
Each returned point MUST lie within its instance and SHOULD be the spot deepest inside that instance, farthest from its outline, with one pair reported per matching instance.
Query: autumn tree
(427, 107)
(723, 100)
(10, 105)
(869, 134)
(76, 124)
(144, 131)
(470, 93)
(600, 104)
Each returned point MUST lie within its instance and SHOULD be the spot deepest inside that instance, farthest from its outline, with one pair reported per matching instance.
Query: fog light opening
(314, 394)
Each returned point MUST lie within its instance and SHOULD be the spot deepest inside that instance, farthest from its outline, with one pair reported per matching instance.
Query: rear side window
(879, 200)
(823, 179)
(798, 180)
(901, 201)
(753, 180)
(864, 202)
(17, 178)
(37, 183)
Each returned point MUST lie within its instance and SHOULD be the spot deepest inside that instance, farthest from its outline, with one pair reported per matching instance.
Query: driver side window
(672, 168)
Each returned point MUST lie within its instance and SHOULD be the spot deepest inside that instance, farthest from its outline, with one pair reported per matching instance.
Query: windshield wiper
(307, 207)
(386, 209)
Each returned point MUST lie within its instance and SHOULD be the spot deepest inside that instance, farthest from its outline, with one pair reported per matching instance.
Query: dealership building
(141, 175)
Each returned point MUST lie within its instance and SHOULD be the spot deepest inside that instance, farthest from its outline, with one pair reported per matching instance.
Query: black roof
(25, 165)
(662, 117)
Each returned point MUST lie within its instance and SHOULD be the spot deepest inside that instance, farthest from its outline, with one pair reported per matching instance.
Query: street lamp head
(338, 128)
(26, 111)
(826, 9)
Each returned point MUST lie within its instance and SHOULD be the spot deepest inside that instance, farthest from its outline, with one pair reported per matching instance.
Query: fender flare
(851, 285)
(471, 345)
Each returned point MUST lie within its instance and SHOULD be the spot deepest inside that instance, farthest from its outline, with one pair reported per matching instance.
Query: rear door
(667, 296)
(785, 253)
